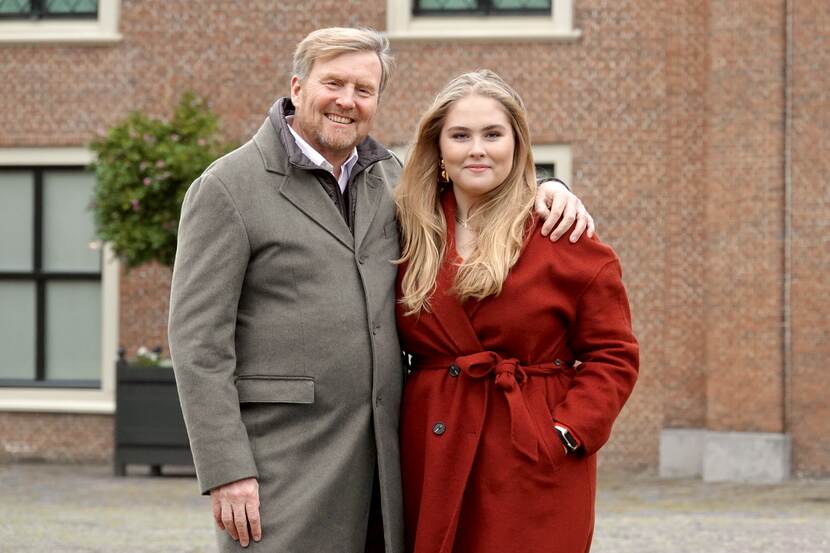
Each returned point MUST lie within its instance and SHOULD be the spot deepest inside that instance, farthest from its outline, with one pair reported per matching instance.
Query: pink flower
(147, 181)
(160, 163)
(201, 142)
(136, 204)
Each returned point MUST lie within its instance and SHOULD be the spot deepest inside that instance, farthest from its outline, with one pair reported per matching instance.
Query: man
(282, 327)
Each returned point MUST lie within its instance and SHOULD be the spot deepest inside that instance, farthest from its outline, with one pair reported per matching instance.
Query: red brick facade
(677, 115)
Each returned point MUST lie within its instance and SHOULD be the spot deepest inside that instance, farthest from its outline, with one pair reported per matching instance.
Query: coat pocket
(275, 389)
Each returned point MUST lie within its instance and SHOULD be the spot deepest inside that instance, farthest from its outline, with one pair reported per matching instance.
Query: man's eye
(365, 92)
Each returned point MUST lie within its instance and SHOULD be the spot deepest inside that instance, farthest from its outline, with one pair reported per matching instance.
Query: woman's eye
(459, 136)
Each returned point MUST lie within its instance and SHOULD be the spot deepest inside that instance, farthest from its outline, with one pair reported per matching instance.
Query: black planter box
(149, 428)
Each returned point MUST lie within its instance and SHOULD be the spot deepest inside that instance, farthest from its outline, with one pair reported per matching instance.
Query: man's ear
(296, 86)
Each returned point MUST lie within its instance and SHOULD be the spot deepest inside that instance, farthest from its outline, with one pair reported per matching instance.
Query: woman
(496, 317)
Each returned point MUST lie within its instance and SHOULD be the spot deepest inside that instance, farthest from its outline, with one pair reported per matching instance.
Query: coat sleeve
(211, 260)
(603, 341)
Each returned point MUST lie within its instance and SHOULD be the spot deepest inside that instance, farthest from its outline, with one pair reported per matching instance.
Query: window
(480, 19)
(63, 21)
(48, 9)
(50, 279)
(481, 7)
(554, 160)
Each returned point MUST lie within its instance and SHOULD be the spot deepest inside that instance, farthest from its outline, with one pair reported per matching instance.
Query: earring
(443, 178)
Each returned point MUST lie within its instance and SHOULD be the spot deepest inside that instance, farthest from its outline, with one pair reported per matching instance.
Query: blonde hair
(331, 42)
(501, 218)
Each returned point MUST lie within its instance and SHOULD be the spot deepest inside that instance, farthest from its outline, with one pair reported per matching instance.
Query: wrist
(569, 441)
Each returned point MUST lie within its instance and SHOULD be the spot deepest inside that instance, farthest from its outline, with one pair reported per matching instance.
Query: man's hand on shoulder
(554, 202)
(236, 508)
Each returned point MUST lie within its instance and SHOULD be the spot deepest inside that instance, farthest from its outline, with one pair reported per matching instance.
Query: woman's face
(477, 146)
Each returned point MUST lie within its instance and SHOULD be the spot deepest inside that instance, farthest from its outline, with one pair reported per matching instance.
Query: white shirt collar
(317, 158)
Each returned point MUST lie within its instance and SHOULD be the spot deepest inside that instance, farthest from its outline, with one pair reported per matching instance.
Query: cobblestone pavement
(83, 508)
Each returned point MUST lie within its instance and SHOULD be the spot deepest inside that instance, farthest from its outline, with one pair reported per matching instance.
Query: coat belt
(509, 376)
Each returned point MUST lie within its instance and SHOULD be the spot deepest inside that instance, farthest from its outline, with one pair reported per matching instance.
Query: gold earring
(443, 177)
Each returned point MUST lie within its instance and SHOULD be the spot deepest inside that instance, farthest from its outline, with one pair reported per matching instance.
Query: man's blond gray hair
(331, 42)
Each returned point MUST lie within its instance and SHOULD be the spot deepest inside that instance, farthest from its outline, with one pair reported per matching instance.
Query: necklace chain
(462, 222)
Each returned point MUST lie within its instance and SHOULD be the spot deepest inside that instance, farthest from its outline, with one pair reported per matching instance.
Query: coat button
(362, 259)
(439, 428)
(557, 362)
(455, 370)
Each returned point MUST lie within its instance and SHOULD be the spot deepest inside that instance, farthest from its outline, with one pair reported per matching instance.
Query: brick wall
(744, 206)
(56, 437)
(675, 115)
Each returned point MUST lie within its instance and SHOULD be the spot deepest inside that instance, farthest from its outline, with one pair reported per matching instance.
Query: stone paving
(84, 508)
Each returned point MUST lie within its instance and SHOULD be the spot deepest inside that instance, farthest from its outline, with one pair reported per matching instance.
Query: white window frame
(558, 25)
(557, 154)
(68, 400)
(560, 156)
(102, 30)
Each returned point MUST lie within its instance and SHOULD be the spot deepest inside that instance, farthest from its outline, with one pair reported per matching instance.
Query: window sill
(59, 32)
(33, 400)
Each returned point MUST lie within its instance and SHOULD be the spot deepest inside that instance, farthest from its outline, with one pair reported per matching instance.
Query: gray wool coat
(282, 334)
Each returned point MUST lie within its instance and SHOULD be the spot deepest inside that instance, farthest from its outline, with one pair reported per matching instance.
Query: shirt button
(439, 428)
(378, 400)
(375, 330)
(454, 370)
(557, 362)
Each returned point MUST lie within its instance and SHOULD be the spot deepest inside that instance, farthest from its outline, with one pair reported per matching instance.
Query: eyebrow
(357, 84)
(499, 127)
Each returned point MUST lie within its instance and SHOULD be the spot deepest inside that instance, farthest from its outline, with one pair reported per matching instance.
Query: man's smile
(339, 119)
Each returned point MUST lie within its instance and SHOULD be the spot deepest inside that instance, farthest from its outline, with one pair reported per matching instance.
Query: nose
(477, 147)
(345, 100)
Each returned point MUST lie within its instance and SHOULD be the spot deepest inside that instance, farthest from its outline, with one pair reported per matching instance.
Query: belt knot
(509, 376)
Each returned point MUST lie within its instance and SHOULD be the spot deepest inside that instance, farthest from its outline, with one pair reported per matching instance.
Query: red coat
(483, 470)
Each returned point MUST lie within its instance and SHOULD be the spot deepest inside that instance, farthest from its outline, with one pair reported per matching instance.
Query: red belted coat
(483, 470)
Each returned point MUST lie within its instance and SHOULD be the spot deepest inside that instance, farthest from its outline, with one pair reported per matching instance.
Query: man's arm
(211, 260)
(555, 202)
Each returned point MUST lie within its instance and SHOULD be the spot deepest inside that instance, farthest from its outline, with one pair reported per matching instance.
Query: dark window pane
(73, 331)
(482, 6)
(23, 7)
(68, 226)
(79, 7)
(16, 220)
(449, 5)
(17, 330)
(521, 4)
(545, 170)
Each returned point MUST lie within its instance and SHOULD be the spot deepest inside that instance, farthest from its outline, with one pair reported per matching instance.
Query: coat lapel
(299, 185)
(447, 308)
(309, 197)
(369, 189)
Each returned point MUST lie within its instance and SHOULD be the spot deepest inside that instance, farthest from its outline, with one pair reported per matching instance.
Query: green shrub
(143, 169)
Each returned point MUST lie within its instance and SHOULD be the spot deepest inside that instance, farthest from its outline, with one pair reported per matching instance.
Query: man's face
(337, 102)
